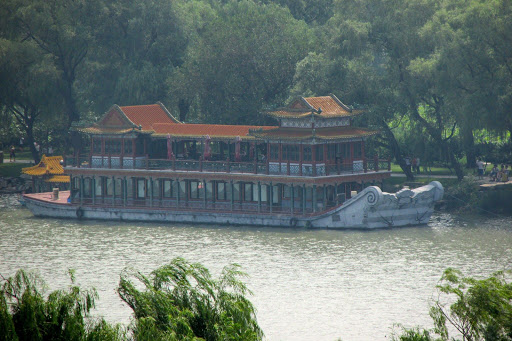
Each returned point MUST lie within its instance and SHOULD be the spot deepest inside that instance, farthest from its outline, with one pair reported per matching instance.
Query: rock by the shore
(13, 185)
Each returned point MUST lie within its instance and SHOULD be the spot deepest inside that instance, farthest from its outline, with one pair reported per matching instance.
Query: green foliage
(182, 301)
(26, 314)
(11, 169)
(477, 309)
(243, 62)
(464, 195)
(414, 334)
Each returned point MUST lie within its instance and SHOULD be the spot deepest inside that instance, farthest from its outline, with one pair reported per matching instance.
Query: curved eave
(212, 137)
(103, 131)
(59, 179)
(278, 115)
(315, 137)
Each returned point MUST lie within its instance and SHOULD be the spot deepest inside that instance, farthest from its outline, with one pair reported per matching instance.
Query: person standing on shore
(481, 167)
(12, 154)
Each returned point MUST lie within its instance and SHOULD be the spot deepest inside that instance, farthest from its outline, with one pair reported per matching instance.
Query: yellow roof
(59, 178)
(47, 165)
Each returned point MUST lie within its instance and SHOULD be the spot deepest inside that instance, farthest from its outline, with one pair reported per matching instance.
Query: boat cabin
(311, 160)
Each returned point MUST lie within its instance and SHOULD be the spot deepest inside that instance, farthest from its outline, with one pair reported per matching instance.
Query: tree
(472, 59)
(29, 93)
(64, 31)
(475, 309)
(27, 314)
(482, 309)
(243, 62)
(182, 301)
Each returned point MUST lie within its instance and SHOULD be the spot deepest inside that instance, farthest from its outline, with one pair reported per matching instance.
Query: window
(236, 192)
(319, 151)
(291, 152)
(128, 147)
(167, 191)
(96, 146)
(139, 146)
(248, 192)
(345, 150)
(182, 187)
(196, 189)
(155, 184)
(113, 147)
(357, 150)
(287, 191)
(307, 153)
(109, 187)
(87, 187)
(98, 189)
(264, 191)
(274, 152)
(117, 187)
(141, 188)
(331, 152)
(209, 190)
(221, 191)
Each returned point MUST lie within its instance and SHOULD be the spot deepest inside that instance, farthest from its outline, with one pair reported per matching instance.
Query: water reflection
(308, 285)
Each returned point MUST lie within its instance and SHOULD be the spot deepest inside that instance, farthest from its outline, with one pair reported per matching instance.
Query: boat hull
(369, 209)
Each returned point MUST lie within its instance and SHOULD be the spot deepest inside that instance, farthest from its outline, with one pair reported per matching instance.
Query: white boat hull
(369, 209)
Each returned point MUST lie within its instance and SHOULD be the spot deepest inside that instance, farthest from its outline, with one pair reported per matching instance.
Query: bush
(26, 314)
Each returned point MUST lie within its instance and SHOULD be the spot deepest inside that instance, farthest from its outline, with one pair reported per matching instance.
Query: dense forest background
(434, 76)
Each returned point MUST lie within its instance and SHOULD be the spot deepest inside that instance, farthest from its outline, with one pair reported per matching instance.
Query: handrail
(293, 168)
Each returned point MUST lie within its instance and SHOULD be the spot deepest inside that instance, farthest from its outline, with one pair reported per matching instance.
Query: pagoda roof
(214, 131)
(301, 134)
(322, 107)
(59, 179)
(49, 165)
(126, 119)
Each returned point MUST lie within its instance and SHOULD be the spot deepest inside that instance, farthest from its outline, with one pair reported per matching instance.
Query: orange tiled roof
(47, 165)
(330, 133)
(147, 115)
(330, 106)
(200, 130)
(122, 120)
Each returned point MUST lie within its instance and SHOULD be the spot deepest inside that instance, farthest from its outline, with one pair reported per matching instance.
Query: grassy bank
(11, 169)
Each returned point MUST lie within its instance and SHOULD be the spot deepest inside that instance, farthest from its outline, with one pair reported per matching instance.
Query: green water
(308, 285)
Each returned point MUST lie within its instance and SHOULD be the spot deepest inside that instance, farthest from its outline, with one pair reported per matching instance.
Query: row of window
(138, 188)
(289, 151)
(334, 152)
(114, 146)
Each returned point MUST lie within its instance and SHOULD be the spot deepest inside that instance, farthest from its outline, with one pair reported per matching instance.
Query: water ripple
(308, 285)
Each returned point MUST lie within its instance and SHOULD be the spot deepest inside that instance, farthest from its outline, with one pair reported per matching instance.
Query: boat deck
(48, 196)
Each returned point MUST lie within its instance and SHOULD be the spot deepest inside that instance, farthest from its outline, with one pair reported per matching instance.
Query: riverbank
(471, 195)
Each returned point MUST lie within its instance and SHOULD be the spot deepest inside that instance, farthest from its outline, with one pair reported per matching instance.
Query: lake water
(307, 285)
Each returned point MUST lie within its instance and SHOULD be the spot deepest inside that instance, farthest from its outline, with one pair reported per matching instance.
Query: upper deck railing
(292, 168)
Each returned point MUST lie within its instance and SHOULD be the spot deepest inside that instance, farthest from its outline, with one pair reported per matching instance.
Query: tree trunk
(184, 108)
(29, 130)
(396, 151)
(468, 143)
